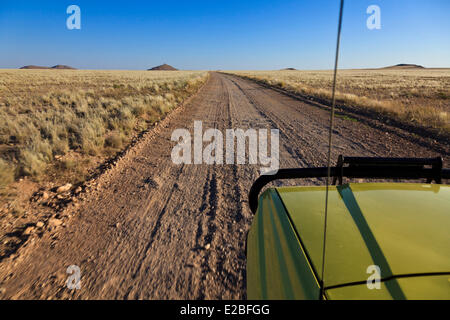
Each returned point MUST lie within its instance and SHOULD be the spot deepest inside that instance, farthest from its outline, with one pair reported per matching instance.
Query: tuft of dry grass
(46, 114)
(6, 173)
(416, 96)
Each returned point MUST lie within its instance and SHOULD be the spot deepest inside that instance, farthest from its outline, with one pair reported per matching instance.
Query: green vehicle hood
(401, 228)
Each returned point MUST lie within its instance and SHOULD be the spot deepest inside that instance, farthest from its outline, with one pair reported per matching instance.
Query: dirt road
(150, 229)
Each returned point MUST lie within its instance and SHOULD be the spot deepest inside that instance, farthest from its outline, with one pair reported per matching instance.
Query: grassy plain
(65, 117)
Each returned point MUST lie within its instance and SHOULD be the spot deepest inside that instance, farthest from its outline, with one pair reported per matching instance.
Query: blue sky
(228, 35)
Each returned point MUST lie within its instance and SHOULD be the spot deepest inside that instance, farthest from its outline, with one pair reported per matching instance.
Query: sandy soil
(149, 229)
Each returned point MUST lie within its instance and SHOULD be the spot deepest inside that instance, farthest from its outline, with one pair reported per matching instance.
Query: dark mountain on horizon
(405, 66)
(163, 67)
(58, 66)
(61, 66)
(34, 67)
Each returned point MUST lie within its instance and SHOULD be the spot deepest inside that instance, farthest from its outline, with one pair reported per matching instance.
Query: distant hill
(405, 66)
(163, 67)
(288, 69)
(58, 66)
(34, 67)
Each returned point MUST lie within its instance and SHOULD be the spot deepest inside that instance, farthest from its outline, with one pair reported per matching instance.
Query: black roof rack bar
(406, 171)
(390, 161)
(435, 163)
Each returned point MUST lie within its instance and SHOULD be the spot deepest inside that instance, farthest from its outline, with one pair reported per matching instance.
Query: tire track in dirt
(306, 124)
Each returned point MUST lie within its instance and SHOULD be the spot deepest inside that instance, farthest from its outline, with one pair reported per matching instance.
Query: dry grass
(418, 96)
(49, 113)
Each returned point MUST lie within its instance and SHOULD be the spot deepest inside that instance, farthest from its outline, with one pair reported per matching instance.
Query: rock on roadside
(64, 188)
(53, 222)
